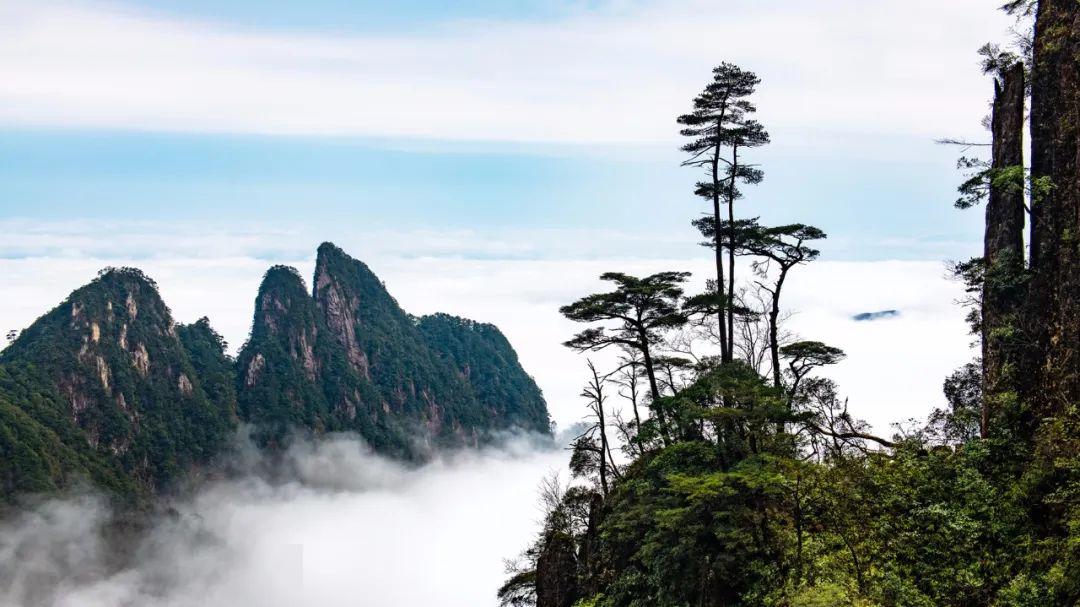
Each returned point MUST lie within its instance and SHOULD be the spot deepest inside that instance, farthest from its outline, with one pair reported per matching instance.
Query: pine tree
(719, 127)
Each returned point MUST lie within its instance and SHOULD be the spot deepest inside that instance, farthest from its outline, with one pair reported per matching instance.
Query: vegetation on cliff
(107, 374)
(349, 358)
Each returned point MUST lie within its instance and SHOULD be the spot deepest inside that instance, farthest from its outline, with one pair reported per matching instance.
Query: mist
(336, 525)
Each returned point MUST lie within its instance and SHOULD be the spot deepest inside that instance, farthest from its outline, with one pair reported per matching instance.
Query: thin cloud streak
(609, 75)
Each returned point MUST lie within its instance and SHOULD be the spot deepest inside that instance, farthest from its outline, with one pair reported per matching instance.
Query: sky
(492, 158)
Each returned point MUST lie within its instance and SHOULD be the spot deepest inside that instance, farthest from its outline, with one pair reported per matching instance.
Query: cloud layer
(894, 368)
(613, 74)
(343, 527)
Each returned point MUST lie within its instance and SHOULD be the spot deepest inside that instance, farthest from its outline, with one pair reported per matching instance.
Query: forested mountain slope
(107, 387)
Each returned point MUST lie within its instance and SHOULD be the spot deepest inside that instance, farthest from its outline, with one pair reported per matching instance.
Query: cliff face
(384, 346)
(1048, 381)
(1055, 292)
(349, 358)
(279, 369)
(120, 382)
(1003, 245)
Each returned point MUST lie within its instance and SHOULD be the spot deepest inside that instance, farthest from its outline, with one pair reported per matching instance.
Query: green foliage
(107, 388)
(642, 309)
(738, 512)
(350, 359)
(207, 351)
(480, 353)
(118, 382)
(771, 494)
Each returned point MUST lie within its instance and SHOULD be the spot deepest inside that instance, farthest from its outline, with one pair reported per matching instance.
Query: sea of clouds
(333, 525)
(340, 526)
(516, 279)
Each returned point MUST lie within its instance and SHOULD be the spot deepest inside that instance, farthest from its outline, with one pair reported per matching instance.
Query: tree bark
(602, 423)
(774, 329)
(718, 247)
(654, 388)
(774, 338)
(731, 253)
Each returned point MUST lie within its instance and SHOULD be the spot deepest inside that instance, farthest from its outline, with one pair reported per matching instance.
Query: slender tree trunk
(633, 401)
(602, 423)
(718, 247)
(654, 388)
(611, 460)
(731, 252)
(855, 562)
(774, 337)
(774, 327)
(603, 447)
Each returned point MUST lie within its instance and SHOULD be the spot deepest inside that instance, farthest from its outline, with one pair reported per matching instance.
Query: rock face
(1031, 317)
(116, 385)
(556, 572)
(348, 357)
(280, 367)
(1003, 242)
(1055, 239)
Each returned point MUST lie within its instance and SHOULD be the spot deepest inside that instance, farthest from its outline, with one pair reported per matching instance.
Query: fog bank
(344, 528)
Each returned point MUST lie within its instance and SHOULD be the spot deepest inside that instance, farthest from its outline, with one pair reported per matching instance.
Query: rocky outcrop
(106, 386)
(125, 382)
(280, 368)
(556, 571)
(347, 357)
(1054, 305)
(338, 309)
(1004, 274)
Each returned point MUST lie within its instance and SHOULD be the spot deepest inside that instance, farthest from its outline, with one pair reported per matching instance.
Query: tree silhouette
(805, 356)
(785, 247)
(719, 127)
(637, 314)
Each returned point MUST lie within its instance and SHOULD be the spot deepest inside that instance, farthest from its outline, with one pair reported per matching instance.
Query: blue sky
(359, 15)
(875, 207)
(486, 115)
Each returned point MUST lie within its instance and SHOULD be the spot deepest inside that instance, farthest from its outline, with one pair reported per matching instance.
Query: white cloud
(613, 74)
(894, 369)
(361, 531)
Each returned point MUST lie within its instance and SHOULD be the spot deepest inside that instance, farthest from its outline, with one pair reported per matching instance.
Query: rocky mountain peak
(111, 355)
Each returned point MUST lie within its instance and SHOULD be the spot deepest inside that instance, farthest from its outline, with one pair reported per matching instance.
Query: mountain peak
(329, 248)
(111, 360)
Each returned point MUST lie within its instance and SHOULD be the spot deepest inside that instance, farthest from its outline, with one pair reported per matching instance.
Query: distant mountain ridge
(106, 386)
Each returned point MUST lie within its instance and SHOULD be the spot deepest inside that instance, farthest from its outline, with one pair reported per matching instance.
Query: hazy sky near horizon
(447, 143)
